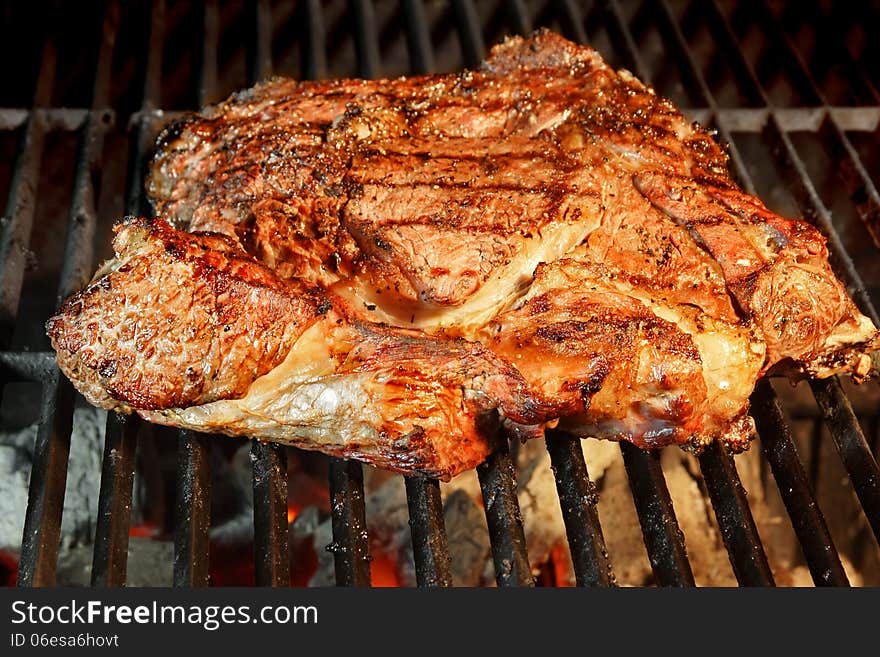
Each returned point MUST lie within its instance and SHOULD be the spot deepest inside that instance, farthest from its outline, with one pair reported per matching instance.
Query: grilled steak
(380, 269)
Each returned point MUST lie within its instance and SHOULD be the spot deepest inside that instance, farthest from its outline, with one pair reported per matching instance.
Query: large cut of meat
(387, 269)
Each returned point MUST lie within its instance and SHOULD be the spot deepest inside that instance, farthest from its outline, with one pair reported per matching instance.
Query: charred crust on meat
(173, 249)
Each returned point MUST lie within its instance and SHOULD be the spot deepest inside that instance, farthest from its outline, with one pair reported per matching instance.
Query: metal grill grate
(693, 43)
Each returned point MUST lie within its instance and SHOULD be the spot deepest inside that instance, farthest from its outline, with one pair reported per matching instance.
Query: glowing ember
(561, 564)
(556, 571)
(383, 571)
(8, 569)
(144, 531)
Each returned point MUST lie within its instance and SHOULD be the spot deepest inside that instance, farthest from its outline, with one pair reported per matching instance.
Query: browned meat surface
(545, 238)
(620, 362)
(179, 320)
(187, 329)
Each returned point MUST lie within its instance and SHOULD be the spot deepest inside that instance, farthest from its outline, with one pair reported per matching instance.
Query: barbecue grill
(800, 78)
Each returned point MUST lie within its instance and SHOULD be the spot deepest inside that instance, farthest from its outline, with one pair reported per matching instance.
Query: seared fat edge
(394, 399)
(177, 319)
(188, 330)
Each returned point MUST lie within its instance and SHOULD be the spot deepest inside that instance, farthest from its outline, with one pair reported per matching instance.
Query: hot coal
(83, 479)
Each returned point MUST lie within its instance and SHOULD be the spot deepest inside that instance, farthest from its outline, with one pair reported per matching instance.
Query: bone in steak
(380, 269)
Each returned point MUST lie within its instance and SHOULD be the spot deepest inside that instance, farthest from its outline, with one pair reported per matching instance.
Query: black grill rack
(635, 36)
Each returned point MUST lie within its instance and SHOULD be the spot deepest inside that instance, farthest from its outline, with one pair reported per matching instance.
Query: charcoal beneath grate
(83, 480)
(390, 539)
(150, 563)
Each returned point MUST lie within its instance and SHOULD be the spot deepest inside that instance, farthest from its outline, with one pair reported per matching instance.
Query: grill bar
(271, 542)
(518, 17)
(21, 204)
(852, 446)
(112, 561)
(498, 485)
(40, 542)
(110, 557)
(79, 250)
(779, 449)
(15, 232)
(210, 41)
(42, 523)
(418, 38)
(471, 36)
(734, 517)
(572, 20)
(853, 172)
(314, 55)
(261, 50)
(430, 547)
(192, 510)
(366, 38)
(579, 501)
(351, 546)
(663, 538)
